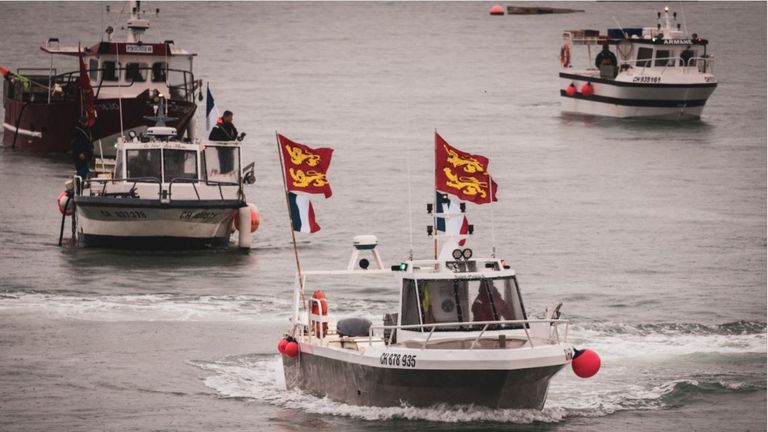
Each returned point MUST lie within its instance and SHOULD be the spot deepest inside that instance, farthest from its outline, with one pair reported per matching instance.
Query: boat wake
(644, 368)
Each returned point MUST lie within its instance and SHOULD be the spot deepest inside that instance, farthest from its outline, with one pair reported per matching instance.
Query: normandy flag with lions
(459, 176)
(305, 174)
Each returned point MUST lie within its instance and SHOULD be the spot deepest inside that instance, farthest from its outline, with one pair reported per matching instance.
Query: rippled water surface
(653, 234)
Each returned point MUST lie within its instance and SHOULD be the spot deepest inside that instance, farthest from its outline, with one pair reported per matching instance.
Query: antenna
(626, 36)
(119, 87)
(410, 213)
(682, 15)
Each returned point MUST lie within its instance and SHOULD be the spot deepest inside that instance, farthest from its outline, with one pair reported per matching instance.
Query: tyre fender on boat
(318, 299)
(565, 55)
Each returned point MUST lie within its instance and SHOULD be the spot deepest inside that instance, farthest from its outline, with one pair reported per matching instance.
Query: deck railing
(554, 333)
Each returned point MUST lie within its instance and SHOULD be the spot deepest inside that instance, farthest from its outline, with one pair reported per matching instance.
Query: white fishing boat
(164, 194)
(461, 335)
(653, 72)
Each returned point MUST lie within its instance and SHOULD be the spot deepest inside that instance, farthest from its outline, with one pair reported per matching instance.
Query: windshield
(222, 164)
(462, 301)
(143, 164)
(180, 164)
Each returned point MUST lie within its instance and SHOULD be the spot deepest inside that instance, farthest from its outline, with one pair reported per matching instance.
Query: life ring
(565, 56)
(319, 297)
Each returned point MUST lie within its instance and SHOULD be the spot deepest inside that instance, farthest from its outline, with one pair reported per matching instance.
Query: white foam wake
(149, 307)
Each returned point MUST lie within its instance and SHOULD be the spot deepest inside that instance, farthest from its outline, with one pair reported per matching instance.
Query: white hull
(673, 99)
(154, 226)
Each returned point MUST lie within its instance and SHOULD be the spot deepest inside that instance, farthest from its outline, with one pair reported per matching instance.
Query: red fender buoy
(496, 10)
(570, 90)
(281, 345)
(587, 89)
(255, 218)
(62, 201)
(291, 349)
(585, 363)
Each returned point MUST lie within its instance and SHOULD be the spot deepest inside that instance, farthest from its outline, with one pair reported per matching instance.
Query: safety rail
(184, 90)
(135, 180)
(432, 326)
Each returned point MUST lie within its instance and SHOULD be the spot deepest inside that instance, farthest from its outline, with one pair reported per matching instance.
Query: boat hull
(621, 99)
(152, 224)
(47, 127)
(367, 385)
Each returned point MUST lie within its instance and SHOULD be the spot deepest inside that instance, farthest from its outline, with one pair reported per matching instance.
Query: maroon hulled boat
(42, 106)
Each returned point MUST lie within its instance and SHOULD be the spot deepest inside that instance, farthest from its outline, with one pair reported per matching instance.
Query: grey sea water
(653, 234)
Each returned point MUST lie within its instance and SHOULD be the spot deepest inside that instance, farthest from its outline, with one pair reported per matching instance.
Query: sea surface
(652, 234)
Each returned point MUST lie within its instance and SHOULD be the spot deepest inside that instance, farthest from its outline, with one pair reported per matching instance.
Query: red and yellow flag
(464, 175)
(89, 102)
(305, 167)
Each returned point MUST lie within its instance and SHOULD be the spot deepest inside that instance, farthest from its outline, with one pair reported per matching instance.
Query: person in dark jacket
(224, 130)
(82, 148)
(605, 57)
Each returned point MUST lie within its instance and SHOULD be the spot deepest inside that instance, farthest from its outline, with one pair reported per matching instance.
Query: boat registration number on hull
(398, 360)
(646, 79)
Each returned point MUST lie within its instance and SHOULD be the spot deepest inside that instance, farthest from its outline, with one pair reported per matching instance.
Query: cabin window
(467, 301)
(118, 174)
(109, 71)
(663, 58)
(135, 72)
(158, 72)
(93, 69)
(222, 164)
(685, 56)
(143, 164)
(644, 56)
(410, 311)
(180, 164)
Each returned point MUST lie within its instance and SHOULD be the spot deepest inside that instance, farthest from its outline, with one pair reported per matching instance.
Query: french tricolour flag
(453, 222)
(211, 112)
(302, 213)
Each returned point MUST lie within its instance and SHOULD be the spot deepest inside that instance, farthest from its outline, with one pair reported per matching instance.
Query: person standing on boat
(606, 62)
(490, 306)
(224, 130)
(82, 147)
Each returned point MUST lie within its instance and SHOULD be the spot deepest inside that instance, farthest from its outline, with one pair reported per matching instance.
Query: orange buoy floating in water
(570, 90)
(585, 363)
(587, 89)
(497, 10)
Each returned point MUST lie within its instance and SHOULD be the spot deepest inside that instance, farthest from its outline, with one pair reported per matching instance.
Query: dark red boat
(42, 106)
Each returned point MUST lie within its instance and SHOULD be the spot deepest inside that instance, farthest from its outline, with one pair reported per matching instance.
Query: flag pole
(290, 221)
(434, 197)
(490, 201)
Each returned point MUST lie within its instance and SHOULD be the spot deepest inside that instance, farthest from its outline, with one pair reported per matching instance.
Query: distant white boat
(659, 72)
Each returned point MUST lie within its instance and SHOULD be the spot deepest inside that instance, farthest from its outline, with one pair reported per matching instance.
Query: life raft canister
(319, 297)
(565, 55)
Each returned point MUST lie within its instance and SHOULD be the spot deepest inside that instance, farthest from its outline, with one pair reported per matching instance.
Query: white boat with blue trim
(652, 72)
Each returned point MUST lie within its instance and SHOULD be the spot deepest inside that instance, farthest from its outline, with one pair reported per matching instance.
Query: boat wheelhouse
(163, 194)
(461, 336)
(42, 105)
(658, 72)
